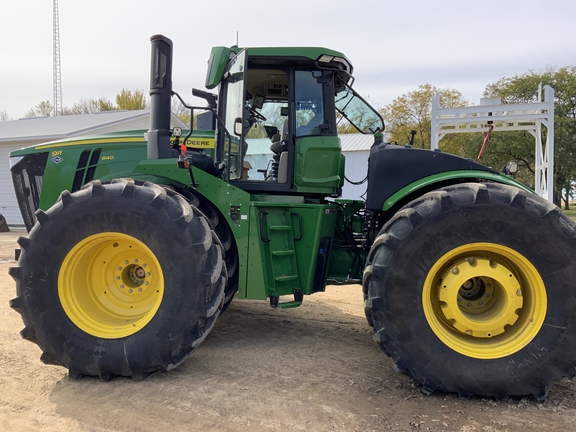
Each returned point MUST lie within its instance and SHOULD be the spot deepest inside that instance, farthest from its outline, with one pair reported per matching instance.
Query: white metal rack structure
(510, 117)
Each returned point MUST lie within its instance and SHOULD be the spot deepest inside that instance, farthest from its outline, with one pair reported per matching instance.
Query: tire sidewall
(400, 315)
(170, 326)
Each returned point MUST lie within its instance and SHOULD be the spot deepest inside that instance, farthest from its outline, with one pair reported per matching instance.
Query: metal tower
(57, 85)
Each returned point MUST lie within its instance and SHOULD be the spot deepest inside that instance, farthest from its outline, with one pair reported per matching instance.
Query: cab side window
(309, 103)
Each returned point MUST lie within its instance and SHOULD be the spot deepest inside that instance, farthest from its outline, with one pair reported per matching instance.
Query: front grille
(85, 170)
(27, 179)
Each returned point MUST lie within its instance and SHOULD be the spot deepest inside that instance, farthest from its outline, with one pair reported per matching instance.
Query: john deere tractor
(138, 241)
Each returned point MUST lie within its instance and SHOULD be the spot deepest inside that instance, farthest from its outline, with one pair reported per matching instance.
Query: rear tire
(470, 290)
(119, 279)
(226, 238)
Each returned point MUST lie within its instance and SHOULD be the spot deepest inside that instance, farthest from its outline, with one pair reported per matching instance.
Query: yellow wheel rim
(110, 285)
(484, 300)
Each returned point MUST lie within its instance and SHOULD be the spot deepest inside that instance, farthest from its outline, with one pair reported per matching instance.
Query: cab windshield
(354, 110)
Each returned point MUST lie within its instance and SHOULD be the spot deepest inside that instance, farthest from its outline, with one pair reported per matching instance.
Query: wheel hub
(480, 296)
(110, 285)
(132, 276)
(484, 300)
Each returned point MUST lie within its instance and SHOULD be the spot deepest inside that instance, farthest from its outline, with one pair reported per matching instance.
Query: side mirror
(238, 126)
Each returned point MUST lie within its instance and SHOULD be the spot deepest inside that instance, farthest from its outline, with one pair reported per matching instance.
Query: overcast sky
(394, 45)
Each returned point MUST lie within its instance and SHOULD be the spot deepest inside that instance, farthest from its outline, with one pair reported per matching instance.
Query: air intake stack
(160, 98)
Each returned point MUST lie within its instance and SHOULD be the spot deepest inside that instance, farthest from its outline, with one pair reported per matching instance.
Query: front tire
(119, 279)
(470, 290)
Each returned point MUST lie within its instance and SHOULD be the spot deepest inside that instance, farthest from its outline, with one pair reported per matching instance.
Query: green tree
(502, 148)
(128, 100)
(105, 105)
(412, 111)
(520, 145)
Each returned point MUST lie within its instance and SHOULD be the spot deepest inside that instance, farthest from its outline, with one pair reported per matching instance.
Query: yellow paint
(91, 142)
(110, 285)
(192, 142)
(484, 300)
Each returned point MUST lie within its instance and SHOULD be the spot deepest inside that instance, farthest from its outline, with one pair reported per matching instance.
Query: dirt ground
(314, 368)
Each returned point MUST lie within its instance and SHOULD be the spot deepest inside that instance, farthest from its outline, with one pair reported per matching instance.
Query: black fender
(395, 172)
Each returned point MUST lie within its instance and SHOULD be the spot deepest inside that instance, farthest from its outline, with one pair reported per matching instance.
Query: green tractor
(138, 242)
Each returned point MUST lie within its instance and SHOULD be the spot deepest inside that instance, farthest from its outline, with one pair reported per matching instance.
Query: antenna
(57, 85)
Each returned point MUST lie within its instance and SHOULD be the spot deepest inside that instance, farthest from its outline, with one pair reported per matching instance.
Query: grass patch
(570, 213)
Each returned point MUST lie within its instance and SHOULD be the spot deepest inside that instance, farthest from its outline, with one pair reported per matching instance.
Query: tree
(85, 106)
(131, 101)
(43, 109)
(503, 147)
(105, 105)
(126, 99)
(412, 111)
(524, 88)
(182, 112)
(4, 115)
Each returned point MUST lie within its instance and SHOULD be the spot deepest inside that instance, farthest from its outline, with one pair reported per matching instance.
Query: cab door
(233, 100)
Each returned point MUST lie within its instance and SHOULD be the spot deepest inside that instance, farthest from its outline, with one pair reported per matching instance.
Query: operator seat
(280, 158)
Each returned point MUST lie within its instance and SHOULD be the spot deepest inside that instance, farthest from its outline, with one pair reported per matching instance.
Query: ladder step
(290, 304)
(286, 278)
(280, 227)
(283, 252)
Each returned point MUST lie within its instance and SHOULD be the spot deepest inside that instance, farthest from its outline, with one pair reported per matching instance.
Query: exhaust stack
(160, 98)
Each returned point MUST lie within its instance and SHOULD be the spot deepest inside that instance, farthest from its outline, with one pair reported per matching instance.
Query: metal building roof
(53, 128)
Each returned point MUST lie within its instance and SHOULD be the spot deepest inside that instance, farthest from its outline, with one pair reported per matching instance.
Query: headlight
(511, 168)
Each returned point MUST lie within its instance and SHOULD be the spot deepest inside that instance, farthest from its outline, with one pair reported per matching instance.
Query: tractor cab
(296, 98)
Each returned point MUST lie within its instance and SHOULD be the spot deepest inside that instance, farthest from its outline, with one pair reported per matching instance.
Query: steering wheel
(256, 114)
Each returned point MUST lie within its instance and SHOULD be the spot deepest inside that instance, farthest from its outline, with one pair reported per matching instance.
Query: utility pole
(57, 85)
